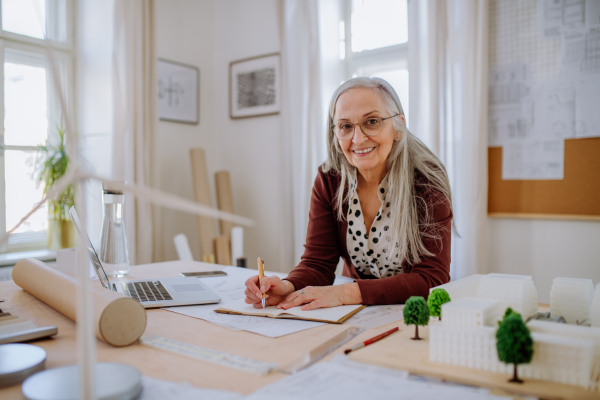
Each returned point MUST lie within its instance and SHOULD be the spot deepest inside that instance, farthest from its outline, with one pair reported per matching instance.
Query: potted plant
(51, 165)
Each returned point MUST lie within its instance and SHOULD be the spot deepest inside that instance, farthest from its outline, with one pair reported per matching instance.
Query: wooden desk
(61, 349)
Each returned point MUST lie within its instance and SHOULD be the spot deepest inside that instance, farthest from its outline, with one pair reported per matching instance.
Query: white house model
(515, 291)
(571, 299)
(466, 336)
(595, 312)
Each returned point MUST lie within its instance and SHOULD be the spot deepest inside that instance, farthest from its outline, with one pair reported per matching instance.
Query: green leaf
(436, 298)
(513, 340)
(416, 311)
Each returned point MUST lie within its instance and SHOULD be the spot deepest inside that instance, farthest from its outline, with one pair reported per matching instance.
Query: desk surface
(61, 349)
(160, 364)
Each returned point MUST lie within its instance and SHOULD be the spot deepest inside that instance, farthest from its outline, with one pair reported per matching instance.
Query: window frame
(34, 51)
(389, 57)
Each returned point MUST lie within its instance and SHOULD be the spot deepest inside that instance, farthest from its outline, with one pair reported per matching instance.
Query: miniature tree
(416, 312)
(514, 342)
(436, 298)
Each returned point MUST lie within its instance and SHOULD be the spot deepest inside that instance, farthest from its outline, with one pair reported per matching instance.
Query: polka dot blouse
(369, 249)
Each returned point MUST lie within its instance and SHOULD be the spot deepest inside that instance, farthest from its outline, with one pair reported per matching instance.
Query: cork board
(577, 196)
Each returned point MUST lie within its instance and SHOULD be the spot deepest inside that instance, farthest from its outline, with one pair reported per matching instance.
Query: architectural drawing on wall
(533, 159)
(178, 92)
(549, 91)
(509, 89)
(558, 16)
(554, 111)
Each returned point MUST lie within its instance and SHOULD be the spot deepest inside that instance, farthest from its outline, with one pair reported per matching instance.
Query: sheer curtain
(134, 86)
(448, 97)
(303, 139)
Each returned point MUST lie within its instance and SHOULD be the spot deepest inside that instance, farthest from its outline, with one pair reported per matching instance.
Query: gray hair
(407, 157)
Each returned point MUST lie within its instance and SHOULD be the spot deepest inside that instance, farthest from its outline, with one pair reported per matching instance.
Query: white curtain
(303, 136)
(448, 97)
(133, 116)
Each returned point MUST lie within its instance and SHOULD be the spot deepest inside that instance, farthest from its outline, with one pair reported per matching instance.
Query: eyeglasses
(371, 126)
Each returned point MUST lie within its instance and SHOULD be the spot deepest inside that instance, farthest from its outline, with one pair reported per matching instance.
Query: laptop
(153, 293)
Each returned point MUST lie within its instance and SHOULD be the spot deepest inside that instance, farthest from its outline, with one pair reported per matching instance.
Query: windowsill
(9, 259)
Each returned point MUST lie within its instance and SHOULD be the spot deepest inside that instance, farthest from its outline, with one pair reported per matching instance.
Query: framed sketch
(178, 92)
(254, 86)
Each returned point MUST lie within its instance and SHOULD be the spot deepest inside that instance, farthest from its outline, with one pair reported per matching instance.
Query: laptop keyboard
(146, 291)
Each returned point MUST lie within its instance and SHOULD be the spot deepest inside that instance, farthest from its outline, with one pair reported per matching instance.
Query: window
(374, 42)
(31, 110)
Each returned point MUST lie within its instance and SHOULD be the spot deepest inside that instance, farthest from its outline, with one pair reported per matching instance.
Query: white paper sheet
(231, 288)
(554, 110)
(557, 17)
(376, 316)
(533, 159)
(510, 104)
(507, 123)
(587, 116)
(339, 380)
(592, 13)
(158, 389)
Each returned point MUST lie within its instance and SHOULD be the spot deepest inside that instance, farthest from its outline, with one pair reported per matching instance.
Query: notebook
(332, 315)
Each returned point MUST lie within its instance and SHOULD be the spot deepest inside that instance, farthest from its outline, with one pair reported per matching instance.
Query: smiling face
(367, 153)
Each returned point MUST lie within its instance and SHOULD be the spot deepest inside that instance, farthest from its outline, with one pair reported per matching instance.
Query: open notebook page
(332, 314)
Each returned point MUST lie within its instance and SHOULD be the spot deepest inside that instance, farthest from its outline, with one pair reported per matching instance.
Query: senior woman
(381, 201)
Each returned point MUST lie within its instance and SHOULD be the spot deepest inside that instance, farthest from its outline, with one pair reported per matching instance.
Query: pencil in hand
(261, 276)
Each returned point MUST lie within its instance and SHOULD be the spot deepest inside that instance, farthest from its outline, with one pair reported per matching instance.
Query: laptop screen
(91, 252)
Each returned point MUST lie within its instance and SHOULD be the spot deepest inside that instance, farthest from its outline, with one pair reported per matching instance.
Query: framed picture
(254, 86)
(178, 92)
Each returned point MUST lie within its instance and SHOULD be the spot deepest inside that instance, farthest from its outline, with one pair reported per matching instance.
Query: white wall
(250, 148)
(545, 250)
(185, 33)
(211, 34)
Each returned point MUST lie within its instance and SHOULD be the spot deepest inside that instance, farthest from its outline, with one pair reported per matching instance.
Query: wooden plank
(206, 225)
(398, 351)
(224, 200)
(222, 250)
(554, 217)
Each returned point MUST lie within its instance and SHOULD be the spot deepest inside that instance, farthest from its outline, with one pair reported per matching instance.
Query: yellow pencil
(261, 275)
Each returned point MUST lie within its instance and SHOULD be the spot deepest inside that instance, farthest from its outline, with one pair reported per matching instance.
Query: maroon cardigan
(326, 243)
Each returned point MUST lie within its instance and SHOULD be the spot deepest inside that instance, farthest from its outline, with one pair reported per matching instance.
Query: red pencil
(372, 340)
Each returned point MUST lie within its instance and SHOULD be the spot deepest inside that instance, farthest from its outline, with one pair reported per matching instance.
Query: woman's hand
(275, 289)
(323, 297)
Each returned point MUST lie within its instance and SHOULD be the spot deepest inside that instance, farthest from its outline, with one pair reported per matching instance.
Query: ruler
(214, 356)
(322, 350)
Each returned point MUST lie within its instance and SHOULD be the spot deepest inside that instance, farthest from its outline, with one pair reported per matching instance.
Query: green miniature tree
(436, 298)
(514, 342)
(416, 312)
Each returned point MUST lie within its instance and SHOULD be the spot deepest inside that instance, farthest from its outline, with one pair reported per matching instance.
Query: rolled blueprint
(119, 320)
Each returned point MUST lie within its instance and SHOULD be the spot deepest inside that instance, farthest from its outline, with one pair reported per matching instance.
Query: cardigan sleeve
(321, 251)
(431, 271)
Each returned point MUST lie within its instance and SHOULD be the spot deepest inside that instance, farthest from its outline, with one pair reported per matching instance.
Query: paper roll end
(122, 322)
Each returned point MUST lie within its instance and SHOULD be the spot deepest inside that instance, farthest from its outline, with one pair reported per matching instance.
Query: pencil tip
(347, 351)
